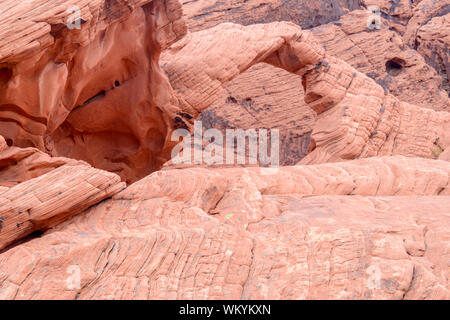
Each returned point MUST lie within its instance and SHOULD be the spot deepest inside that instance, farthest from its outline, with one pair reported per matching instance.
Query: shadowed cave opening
(394, 66)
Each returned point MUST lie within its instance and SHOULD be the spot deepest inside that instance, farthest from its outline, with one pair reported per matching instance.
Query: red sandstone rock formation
(18, 165)
(433, 42)
(382, 54)
(356, 116)
(320, 231)
(93, 118)
(238, 233)
(95, 94)
(39, 192)
(201, 14)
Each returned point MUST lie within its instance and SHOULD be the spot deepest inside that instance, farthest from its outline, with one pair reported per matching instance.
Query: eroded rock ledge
(37, 192)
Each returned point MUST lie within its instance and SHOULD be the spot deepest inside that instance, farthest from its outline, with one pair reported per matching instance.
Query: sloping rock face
(240, 233)
(433, 42)
(423, 11)
(41, 203)
(364, 121)
(80, 93)
(18, 165)
(265, 97)
(397, 13)
(363, 55)
(424, 25)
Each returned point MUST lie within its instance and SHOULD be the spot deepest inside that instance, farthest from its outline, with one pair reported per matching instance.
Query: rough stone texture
(356, 116)
(358, 119)
(383, 56)
(80, 93)
(201, 14)
(202, 83)
(86, 89)
(40, 203)
(427, 31)
(422, 13)
(293, 235)
(265, 97)
(19, 165)
(254, 100)
(397, 13)
(433, 42)
(38, 191)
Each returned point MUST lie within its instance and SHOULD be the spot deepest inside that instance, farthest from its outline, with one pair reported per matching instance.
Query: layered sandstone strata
(433, 42)
(201, 14)
(95, 93)
(92, 88)
(356, 116)
(267, 97)
(332, 231)
(38, 192)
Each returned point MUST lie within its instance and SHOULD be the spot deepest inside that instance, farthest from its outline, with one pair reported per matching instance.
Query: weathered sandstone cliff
(364, 215)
